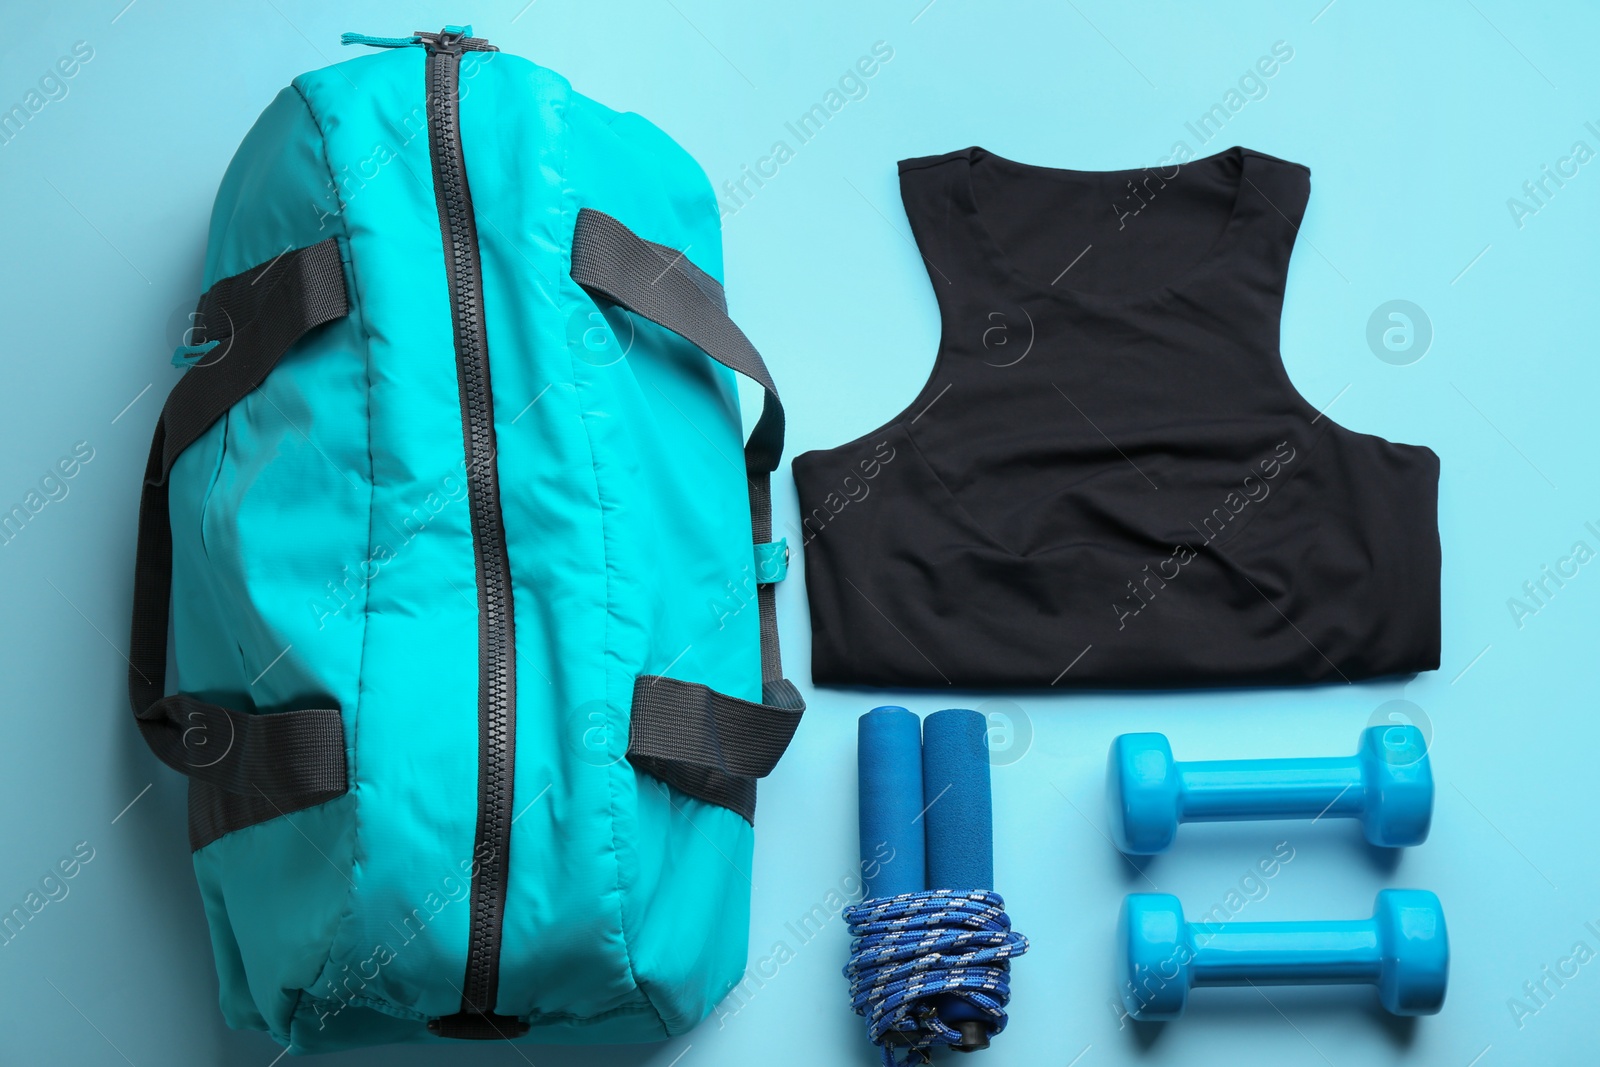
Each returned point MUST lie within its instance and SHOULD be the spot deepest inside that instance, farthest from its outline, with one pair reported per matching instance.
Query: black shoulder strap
(706, 743)
(243, 768)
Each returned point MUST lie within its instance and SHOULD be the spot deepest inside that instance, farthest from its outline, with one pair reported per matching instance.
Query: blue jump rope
(930, 960)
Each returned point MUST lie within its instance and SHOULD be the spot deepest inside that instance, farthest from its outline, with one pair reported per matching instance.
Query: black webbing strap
(706, 743)
(662, 285)
(243, 768)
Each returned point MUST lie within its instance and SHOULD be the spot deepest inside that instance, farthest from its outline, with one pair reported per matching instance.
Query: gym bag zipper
(497, 677)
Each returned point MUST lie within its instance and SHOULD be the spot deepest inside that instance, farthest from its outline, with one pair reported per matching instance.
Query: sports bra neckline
(1003, 262)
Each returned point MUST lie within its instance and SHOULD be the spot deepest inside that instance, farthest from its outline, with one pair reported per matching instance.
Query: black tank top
(1108, 479)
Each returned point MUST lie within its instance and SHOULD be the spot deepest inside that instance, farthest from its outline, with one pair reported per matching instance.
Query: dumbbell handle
(1223, 790)
(1286, 953)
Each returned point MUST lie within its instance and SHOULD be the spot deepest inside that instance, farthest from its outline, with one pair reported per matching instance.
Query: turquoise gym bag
(468, 564)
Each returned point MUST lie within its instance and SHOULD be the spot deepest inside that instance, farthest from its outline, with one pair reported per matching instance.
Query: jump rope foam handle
(960, 822)
(889, 751)
(960, 829)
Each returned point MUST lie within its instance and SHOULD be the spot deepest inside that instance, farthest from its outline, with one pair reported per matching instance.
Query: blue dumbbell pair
(1388, 785)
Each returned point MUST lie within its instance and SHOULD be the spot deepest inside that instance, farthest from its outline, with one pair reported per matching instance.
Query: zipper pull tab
(379, 42)
(448, 40)
(454, 40)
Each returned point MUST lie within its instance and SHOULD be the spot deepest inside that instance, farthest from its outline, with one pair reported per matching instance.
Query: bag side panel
(682, 594)
(267, 505)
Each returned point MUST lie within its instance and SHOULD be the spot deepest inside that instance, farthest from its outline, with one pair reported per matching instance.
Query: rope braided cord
(914, 947)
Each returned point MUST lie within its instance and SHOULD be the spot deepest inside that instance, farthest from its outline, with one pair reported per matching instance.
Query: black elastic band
(243, 768)
(708, 744)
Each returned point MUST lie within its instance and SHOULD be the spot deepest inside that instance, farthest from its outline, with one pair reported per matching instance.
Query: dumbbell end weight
(1154, 951)
(1398, 784)
(1416, 951)
(1144, 794)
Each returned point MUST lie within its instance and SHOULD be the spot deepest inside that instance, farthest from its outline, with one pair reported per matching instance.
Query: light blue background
(1419, 122)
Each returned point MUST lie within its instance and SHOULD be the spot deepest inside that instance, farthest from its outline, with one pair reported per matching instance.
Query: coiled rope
(912, 948)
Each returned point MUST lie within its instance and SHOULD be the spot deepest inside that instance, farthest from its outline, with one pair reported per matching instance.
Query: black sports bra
(1108, 480)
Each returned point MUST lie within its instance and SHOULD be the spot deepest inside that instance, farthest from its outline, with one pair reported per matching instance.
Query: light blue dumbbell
(1387, 784)
(1403, 950)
